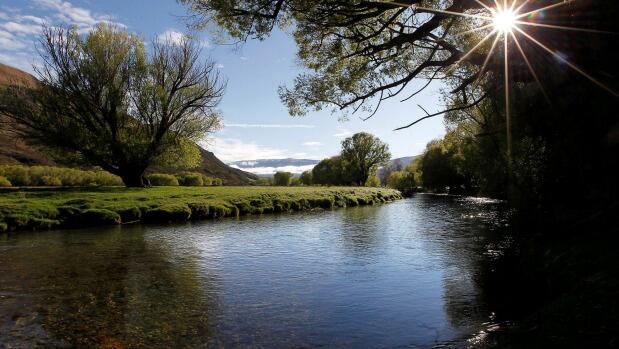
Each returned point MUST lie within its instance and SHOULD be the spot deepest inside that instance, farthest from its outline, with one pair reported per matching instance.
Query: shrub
(162, 180)
(5, 183)
(189, 179)
(20, 175)
(263, 181)
(282, 178)
(168, 213)
(207, 181)
(218, 182)
(403, 181)
(373, 181)
(16, 174)
(295, 182)
(3, 227)
(50, 181)
(307, 178)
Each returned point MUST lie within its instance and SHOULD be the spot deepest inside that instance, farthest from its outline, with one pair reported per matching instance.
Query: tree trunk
(133, 178)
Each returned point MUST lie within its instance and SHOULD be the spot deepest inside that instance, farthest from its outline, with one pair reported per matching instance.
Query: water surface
(404, 274)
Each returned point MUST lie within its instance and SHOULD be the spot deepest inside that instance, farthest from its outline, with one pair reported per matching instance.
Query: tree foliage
(330, 171)
(103, 97)
(282, 178)
(358, 52)
(363, 153)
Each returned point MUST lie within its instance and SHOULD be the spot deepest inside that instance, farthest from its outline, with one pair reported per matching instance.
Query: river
(403, 274)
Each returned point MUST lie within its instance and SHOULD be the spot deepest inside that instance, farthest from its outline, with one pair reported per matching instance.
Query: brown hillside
(14, 150)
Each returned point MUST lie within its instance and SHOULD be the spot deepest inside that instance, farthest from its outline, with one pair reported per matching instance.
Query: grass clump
(162, 180)
(168, 213)
(95, 216)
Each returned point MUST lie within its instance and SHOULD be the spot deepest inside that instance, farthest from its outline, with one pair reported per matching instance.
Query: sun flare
(504, 20)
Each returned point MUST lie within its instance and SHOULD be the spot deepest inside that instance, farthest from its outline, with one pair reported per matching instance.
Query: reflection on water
(398, 275)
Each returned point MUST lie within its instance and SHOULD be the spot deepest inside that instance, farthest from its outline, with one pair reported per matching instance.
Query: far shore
(53, 208)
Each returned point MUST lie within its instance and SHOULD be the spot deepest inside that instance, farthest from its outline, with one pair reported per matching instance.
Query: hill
(14, 150)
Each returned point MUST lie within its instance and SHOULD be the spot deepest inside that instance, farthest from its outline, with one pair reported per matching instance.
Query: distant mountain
(403, 161)
(14, 150)
(267, 167)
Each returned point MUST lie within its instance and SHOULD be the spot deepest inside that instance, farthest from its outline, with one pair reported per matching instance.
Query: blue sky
(257, 124)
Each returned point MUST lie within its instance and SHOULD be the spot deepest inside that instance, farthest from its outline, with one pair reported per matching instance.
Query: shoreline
(47, 209)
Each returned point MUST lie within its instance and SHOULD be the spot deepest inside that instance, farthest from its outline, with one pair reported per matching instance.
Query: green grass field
(36, 209)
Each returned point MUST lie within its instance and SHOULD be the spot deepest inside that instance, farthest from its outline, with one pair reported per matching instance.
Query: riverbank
(33, 209)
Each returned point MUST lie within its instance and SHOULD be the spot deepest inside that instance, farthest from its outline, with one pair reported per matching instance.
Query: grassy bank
(48, 209)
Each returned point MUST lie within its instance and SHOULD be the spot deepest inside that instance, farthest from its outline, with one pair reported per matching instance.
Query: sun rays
(507, 21)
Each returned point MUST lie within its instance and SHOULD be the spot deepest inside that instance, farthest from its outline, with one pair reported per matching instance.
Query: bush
(207, 181)
(20, 175)
(4, 183)
(264, 181)
(168, 213)
(162, 180)
(295, 182)
(218, 182)
(50, 181)
(16, 174)
(189, 179)
(307, 178)
(373, 181)
(403, 181)
(282, 178)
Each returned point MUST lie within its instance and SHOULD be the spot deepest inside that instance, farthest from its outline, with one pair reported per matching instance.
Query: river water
(403, 274)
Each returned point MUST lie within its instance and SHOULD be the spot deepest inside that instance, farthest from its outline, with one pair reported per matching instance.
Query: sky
(257, 125)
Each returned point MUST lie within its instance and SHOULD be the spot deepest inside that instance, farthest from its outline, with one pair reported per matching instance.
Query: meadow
(40, 209)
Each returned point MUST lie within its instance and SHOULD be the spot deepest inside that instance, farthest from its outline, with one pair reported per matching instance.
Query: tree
(439, 169)
(330, 172)
(403, 181)
(363, 153)
(101, 96)
(282, 178)
(307, 178)
(358, 53)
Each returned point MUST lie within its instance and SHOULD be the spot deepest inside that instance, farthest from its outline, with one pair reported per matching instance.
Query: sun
(504, 20)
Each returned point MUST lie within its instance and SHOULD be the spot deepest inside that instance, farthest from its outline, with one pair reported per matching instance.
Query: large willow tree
(104, 97)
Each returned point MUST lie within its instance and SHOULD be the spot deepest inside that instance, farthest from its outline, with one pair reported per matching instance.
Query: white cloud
(9, 42)
(219, 66)
(18, 32)
(22, 28)
(312, 144)
(172, 36)
(268, 126)
(230, 149)
(272, 170)
(343, 133)
(243, 58)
